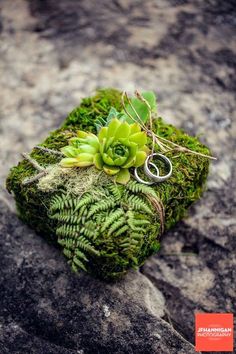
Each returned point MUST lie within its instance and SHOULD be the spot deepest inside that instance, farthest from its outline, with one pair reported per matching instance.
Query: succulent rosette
(117, 147)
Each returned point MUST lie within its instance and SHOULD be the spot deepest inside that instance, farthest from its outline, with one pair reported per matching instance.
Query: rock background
(52, 53)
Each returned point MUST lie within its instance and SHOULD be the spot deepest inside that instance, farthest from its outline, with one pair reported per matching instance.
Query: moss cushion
(107, 228)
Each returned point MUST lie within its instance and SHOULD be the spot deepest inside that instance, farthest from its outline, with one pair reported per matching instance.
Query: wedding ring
(139, 179)
(157, 177)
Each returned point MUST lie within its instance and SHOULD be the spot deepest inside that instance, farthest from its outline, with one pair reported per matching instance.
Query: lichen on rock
(105, 228)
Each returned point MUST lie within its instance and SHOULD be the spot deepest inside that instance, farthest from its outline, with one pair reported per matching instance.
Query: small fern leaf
(116, 191)
(85, 245)
(79, 263)
(101, 206)
(67, 253)
(140, 222)
(73, 266)
(116, 225)
(136, 187)
(85, 201)
(68, 230)
(81, 255)
(112, 217)
(58, 203)
(67, 218)
(121, 230)
(138, 204)
(67, 243)
(92, 234)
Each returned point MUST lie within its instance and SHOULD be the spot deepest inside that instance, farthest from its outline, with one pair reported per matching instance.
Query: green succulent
(117, 147)
(81, 150)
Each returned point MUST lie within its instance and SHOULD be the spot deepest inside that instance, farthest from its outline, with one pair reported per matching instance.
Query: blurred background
(54, 52)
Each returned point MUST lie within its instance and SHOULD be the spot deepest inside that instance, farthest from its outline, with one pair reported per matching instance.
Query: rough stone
(52, 54)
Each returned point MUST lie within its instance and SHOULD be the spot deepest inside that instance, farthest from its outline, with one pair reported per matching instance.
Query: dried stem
(34, 178)
(124, 94)
(159, 140)
(184, 149)
(141, 98)
(123, 105)
(149, 132)
(33, 162)
(50, 151)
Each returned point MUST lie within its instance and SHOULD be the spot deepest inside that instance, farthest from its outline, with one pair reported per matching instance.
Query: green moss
(177, 194)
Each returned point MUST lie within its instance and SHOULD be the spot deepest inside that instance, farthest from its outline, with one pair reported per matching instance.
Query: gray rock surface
(52, 53)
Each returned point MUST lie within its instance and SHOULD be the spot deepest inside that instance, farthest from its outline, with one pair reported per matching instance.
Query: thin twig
(50, 151)
(142, 99)
(150, 133)
(124, 94)
(184, 149)
(123, 105)
(34, 178)
(33, 162)
(162, 146)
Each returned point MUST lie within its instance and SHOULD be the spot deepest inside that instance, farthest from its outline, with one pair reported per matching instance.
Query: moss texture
(177, 194)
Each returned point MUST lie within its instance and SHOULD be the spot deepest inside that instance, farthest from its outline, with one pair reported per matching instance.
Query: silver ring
(158, 178)
(136, 176)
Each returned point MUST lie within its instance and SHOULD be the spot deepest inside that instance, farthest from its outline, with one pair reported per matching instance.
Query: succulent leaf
(111, 170)
(69, 151)
(123, 176)
(98, 162)
(139, 138)
(140, 158)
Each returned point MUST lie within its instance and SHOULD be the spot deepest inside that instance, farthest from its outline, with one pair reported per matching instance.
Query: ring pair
(155, 178)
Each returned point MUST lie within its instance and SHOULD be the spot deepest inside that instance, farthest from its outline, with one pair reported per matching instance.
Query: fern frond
(116, 190)
(83, 211)
(85, 200)
(131, 243)
(121, 230)
(79, 263)
(67, 230)
(140, 222)
(107, 213)
(90, 231)
(136, 236)
(67, 217)
(85, 245)
(129, 246)
(112, 217)
(67, 253)
(131, 222)
(81, 255)
(116, 225)
(101, 206)
(100, 218)
(57, 202)
(138, 204)
(67, 243)
(136, 187)
(73, 266)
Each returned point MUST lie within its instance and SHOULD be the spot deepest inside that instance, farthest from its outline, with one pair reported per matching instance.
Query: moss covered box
(105, 227)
